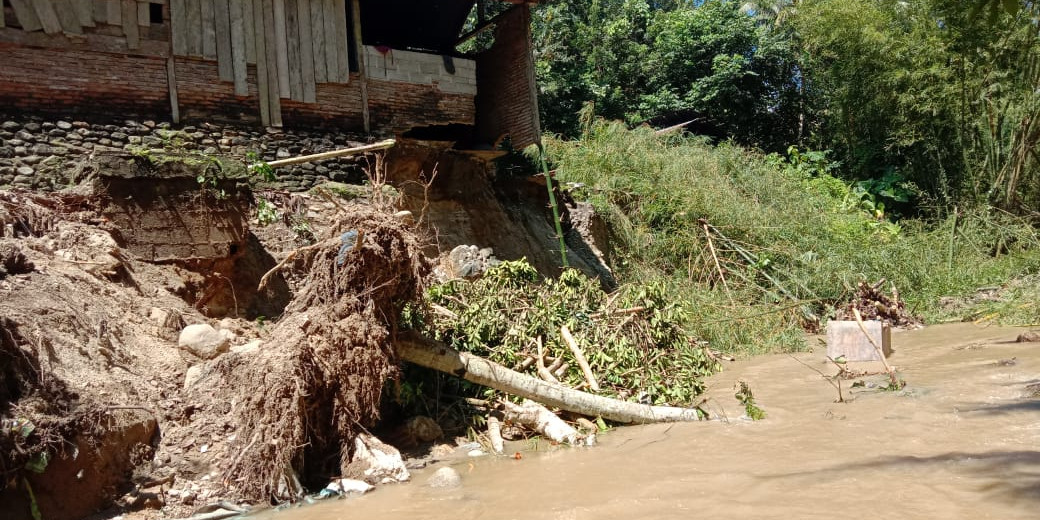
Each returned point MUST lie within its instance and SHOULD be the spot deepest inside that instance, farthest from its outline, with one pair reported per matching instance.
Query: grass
(784, 238)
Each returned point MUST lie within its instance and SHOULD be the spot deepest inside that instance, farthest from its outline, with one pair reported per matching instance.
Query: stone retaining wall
(50, 154)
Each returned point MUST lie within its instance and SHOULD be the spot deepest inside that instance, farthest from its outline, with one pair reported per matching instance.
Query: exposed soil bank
(960, 441)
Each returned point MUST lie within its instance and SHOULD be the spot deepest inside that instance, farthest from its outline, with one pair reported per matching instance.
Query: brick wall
(507, 102)
(89, 83)
(59, 81)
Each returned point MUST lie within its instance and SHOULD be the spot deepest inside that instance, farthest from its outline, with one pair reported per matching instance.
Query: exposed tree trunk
(431, 354)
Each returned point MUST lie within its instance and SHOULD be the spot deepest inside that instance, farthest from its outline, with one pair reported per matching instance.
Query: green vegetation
(635, 340)
(755, 246)
(939, 93)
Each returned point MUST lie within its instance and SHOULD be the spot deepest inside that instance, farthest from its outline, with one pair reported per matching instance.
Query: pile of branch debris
(873, 304)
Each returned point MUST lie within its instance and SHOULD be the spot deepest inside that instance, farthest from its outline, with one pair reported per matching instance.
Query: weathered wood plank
(144, 14)
(2, 20)
(342, 57)
(194, 28)
(303, 11)
(274, 103)
(249, 22)
(48, 18)
(114, 12)
(292, 41)
(179, 26)
(331, 46)
(100, 11)
(171, 85)
(84, 12)
(318, 41)
(261, 63)
(67, 17)
(281, 48)
(355, 20)
(239, 65)
(130, 29)
(26, 15)
(209, 35)
(222, 28)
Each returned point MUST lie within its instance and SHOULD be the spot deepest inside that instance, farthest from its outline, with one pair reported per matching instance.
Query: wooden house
(373, 65)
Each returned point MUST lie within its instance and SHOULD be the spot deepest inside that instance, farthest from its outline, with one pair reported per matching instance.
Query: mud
(959, 441)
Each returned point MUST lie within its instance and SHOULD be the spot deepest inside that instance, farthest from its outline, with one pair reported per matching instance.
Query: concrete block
(457, 88)
(431, 68)
(845, 338)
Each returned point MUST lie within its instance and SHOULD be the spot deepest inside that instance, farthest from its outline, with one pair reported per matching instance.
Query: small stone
(20, 150)
(73, 136)
(32, 127)
(15, 142)
(203, 340)
(11, 126)
(42, 149)
(151, 141)
(210, 151)
(283, 153)
(134, 139)
(81, 124)
(25, 136)
(1028, 337)
(149, 124)
(47, 125)
(64, 125)
(57, 132)
(118, 136)
(30, 159)
(24, 170)
(445, 477)
(104, 141)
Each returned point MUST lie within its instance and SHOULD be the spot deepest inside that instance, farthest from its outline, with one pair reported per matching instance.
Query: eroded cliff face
(101, 279)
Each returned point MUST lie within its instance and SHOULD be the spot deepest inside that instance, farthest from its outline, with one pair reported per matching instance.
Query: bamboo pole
(440, 357)
(381, 145)
(579, 356)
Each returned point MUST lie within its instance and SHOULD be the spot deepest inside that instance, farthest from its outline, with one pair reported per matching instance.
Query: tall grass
(754, 245)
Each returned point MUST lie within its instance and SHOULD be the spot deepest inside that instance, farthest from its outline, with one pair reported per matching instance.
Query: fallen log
(538, 418)
(432, 354)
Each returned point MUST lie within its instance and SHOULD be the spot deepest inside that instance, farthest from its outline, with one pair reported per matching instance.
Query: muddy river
(960, 441)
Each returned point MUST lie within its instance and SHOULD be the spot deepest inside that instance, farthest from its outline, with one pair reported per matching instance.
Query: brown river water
(960, 441)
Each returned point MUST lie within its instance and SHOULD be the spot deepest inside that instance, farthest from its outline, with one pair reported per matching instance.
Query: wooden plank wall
(295, 44)
(72, 16)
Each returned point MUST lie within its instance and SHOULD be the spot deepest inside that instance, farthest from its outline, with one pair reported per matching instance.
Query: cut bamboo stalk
(494, 428)
(539, 361)
(538, 418)
(431, 354)
(579, 356)
(382, 145)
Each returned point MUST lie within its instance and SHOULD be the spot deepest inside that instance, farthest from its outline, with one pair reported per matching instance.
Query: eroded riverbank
(960, 441)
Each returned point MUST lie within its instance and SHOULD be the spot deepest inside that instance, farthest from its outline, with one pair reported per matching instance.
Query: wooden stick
(382, 145)
(540, 363)
(880, 353)
(583, 363)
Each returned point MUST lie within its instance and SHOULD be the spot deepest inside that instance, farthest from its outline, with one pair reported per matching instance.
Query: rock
(345, 486)
(192, 376)
(1028, 337)
(32, 127)
(376, 462)
(10, 126)
(13, 262)
(203, 340)
(423, 428)
(25, 136)
(24, 170)
(251, 347)
(444, 478)
(64, 125)
(469, 261)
